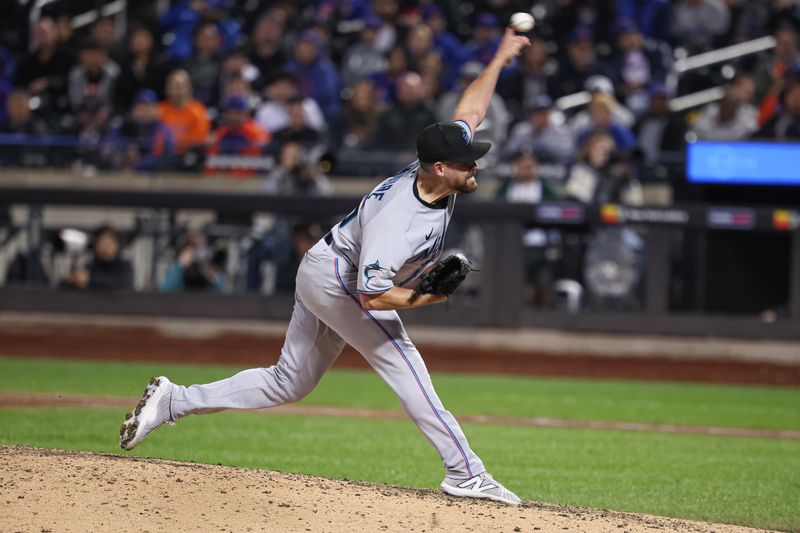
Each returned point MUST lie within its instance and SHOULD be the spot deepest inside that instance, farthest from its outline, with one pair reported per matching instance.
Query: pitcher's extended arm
(475, 100)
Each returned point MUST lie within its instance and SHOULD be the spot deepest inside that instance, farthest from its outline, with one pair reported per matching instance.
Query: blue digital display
(743, 163)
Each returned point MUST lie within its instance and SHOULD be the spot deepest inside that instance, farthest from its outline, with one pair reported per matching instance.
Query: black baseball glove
(445, 276)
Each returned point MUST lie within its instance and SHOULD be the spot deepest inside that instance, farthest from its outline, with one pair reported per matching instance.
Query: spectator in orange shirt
(186, 117)
(239, 135)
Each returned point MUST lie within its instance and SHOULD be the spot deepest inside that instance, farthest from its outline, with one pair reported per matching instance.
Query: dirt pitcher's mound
(56, 490)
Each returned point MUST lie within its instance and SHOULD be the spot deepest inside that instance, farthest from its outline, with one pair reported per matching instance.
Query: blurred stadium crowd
(284, 92)
(188, 85)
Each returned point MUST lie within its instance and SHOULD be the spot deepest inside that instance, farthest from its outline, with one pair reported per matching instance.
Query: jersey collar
(441, 204)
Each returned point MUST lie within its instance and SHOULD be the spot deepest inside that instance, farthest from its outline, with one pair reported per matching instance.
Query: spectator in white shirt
(273, 114)
(730, 119)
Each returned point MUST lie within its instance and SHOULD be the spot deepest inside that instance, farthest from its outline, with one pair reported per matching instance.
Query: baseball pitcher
(349, 288)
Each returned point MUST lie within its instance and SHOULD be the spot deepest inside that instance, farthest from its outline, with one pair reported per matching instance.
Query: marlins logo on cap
(449, 142)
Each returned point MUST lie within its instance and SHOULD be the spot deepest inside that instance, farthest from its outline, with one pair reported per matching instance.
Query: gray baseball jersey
(393, 236)
(387, 241)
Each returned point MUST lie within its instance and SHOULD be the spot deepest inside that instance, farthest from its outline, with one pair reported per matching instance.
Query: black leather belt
(328, 238)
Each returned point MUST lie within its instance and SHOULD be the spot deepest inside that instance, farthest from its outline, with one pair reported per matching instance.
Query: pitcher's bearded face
(461, 176)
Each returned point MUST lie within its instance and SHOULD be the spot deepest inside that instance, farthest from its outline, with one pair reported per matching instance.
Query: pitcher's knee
(289, 388)
(291, 391)
(298, 393)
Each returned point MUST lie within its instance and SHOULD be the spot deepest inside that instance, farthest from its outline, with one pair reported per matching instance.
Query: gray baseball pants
(326, 315)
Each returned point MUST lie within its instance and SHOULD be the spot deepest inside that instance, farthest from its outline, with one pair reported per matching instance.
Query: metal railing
(681, 67)
(720, 55)
(115, 8)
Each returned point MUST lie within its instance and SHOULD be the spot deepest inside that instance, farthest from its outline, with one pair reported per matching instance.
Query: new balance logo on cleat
(477, 484)
(480, 486)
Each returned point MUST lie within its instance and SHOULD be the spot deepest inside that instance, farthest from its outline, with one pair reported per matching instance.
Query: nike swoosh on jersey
(428, 236)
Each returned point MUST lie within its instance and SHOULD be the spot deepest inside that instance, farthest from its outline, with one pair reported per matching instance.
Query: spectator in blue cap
(316, 75)
(485, 38)
(550, 142)
(143, 142)
(239, 134)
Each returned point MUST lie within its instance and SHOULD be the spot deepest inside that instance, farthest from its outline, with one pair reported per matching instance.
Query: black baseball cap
(449, 142)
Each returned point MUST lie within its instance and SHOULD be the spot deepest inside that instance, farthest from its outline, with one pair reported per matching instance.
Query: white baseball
(522, 22)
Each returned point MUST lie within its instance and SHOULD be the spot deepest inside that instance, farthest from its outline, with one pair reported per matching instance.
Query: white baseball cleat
(152, 411)
(480, 486)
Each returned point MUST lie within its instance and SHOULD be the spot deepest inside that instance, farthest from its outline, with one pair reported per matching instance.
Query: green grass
(605, 400)
(743, 481)
(734, 480)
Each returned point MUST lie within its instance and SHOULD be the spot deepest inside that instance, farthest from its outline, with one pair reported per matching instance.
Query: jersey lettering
(386, 185)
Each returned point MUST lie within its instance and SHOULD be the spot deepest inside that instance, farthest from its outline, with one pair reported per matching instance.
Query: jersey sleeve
(382, 257)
